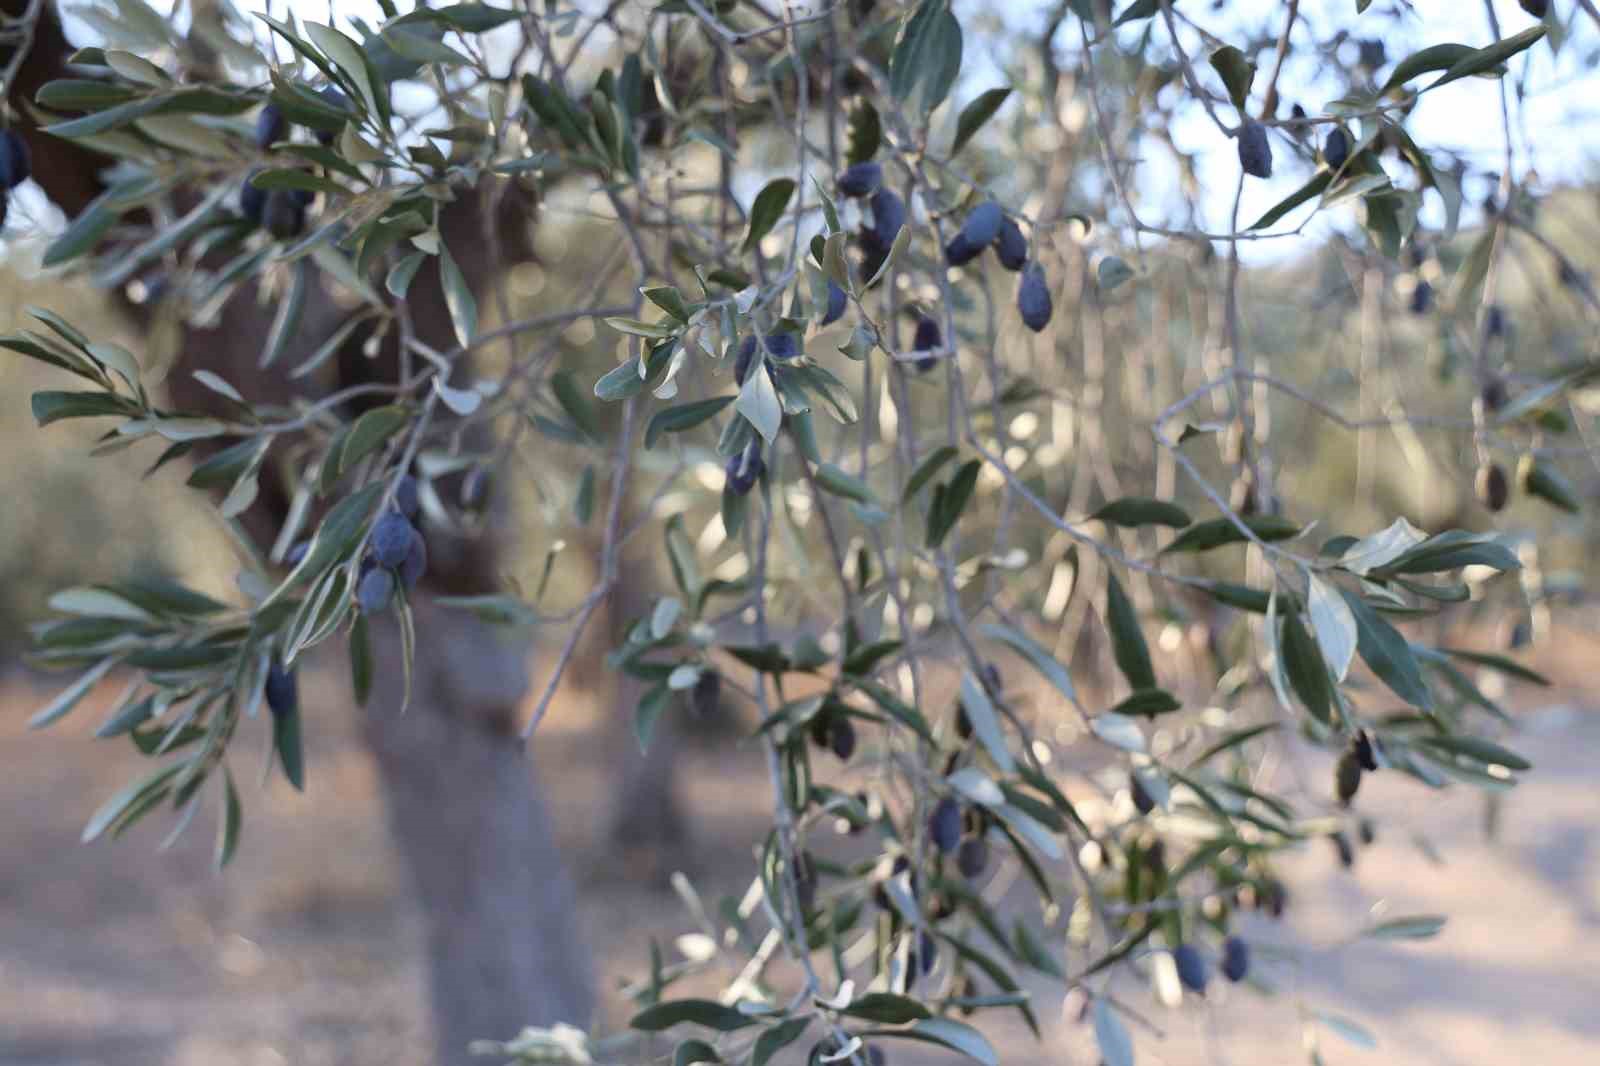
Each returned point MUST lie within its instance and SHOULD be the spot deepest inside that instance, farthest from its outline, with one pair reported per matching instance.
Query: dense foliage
(912, 389)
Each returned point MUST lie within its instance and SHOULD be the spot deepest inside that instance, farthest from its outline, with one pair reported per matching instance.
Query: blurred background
(307, 951)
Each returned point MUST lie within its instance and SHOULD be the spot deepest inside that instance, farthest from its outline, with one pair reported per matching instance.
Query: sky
(1555, 132)
(1556, 129)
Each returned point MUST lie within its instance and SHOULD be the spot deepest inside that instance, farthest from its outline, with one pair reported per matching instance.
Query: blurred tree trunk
(647, 824)
(504, 948)
(504, 944)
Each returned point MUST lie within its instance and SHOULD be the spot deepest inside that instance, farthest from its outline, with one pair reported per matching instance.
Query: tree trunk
(504, 947)
(647, 823)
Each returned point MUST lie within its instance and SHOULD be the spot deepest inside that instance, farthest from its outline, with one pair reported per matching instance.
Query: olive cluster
(985, 226)
(865, 180)
(396, 553)
(282, 212)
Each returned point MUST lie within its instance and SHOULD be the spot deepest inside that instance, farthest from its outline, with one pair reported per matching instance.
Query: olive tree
(902, 366)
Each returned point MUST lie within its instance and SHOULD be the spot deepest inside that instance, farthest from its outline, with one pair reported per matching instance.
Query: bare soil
(307, 951)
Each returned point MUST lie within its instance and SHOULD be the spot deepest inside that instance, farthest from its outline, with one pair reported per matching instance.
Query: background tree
(877, 372)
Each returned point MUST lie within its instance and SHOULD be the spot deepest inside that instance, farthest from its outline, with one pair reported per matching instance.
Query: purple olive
(1235, 959)
(391, 539)
(16, 163)
(271, 126)
(1192, 968)
(1011, 247)
(862, 179)
(1255, 151)
(1033, 298)
(282, 691)
(415, 563)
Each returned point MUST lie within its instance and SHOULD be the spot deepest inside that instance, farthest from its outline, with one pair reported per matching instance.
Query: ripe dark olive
(375, 590)
(405, 496)
(1336, 149)
(1494, 322)
(1365, 754)
(888, 215)
(863, 179)
(944, 825)
(1494, 394)
(1494, 488)
(972, 858)
(963, 723)
(283, 215)
(1235, 959)
(391, 539)
(252, 202)
(927, 338)
(337, 99)
(282, 690)
(707, 692)
(1033, 298)
(1421, 298)
(921, 957)
(16, 163)
(873, 252)
(742, 361)
(805, 880)
(838, 300)
(1255, 151)
(415, 564)
(271, 126)
(982, 224)
(1192, 969)
(842, 738)
(1537, 8)
(1141, 799)
(1347, 777)
(1011, 247)
(1272, 897)
(960, 250)
(745, 468)
(782, 345)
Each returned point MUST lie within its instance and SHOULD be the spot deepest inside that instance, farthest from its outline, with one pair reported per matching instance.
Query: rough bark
(504, 946)
(503, 943)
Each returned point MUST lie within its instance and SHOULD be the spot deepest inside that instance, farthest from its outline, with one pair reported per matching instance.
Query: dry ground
(307, 951)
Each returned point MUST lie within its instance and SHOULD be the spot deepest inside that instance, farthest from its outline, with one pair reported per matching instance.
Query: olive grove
(914, 355)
